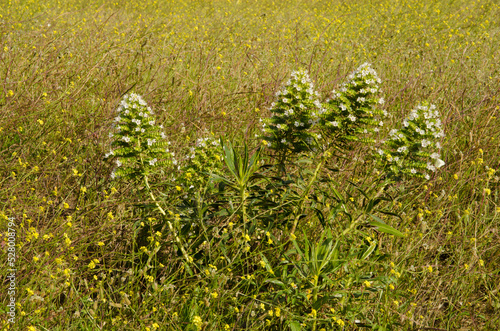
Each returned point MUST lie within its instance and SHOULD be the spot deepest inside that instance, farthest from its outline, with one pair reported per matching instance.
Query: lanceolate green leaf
(381, 226)
(295, 326)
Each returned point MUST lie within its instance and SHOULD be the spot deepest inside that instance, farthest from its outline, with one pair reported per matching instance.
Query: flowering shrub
(201, 160)
(229, 216)
(140, 143)
(294, 113)
(414, 149)
(351, 114)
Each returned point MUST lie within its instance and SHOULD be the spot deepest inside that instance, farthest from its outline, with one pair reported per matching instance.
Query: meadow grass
(96, 253)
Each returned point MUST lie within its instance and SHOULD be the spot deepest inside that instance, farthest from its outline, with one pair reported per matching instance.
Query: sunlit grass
(214, 67)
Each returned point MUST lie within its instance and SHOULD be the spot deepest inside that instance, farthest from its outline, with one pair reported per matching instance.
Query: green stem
(170, 225)
(306, 192)
(352, 226)
(315, 297)
(242, 203)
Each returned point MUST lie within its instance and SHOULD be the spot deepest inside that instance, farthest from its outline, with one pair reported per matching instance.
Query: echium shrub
(351, 113)
(295, 112)
(414, 149)
(140, 145)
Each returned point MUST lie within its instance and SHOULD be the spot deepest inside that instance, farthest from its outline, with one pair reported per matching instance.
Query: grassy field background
(215, 66)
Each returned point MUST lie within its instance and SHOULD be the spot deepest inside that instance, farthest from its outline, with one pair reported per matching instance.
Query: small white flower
(381, 101)
(425, 143)
(151, 141)
(435, 156)
(413, 171)
(352, 117)
(439, 163)
(402, 149)
(118, 163)
(126, 139)
(413, 115)
(153, 161)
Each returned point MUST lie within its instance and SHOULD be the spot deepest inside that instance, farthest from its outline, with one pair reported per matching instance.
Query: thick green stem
(306, 193)
(170, 225)
(315, 296)
(242, 203)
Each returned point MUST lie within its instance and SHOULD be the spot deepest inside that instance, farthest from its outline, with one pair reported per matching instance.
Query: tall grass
(96, 253)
